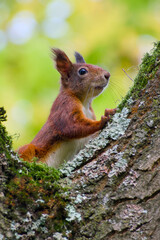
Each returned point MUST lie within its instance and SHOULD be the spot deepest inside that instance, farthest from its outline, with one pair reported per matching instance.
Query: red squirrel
(71, 119)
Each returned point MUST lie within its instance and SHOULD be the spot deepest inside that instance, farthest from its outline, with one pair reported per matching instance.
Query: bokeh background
(113, 34)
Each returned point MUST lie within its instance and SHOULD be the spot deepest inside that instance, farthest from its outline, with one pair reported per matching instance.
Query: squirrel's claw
(110, 111)
(106, 117)
(104, 120)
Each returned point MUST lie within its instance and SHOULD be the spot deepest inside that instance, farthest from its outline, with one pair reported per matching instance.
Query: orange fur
(67, 119)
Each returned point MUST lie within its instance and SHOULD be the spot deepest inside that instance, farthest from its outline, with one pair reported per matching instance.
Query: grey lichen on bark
(117, 176)
(110, 190)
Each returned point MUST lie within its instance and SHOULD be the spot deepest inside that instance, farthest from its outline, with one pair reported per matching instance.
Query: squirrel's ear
(79, 58)
(63, 64)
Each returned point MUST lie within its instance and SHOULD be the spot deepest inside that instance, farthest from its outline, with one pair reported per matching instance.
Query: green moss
(32, 181)
(34, 188)
(30, 188)
(5, 140)
(39, 171)
(149, 66)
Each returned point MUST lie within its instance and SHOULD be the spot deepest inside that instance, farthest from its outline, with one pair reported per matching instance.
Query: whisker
(116, 97)
(122, 83)
(127, 75)
(118, 88)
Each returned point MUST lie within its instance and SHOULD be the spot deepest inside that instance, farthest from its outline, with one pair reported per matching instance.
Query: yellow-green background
(113, 34)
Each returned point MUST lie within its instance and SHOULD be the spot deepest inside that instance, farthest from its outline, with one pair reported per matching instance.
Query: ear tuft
(63, 64)
(58, 54)
(79, 58)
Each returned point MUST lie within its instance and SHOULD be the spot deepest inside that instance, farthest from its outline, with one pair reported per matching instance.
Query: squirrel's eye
(82, 71)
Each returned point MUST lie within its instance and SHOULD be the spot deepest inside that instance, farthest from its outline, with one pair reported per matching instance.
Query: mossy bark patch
(5, 140)
(31, 199)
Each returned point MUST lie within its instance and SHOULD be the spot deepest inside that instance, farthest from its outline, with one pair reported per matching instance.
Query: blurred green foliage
(113, 34)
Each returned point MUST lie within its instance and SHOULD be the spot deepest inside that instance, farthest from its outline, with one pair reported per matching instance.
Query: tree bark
(110, 190)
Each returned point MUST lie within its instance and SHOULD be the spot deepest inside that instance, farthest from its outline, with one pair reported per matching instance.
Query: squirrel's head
(85, 80)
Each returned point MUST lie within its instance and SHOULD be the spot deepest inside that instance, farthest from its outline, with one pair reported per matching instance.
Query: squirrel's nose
(107, 75)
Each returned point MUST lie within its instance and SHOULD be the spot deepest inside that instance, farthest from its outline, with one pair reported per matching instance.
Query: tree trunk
(110, 190)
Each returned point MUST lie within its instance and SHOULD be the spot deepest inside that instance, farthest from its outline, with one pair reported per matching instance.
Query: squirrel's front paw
(110, 111)
(106, 117)
(104, 120)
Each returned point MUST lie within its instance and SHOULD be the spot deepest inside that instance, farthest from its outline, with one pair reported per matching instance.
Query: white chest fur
(87, 112)
(68, 149)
